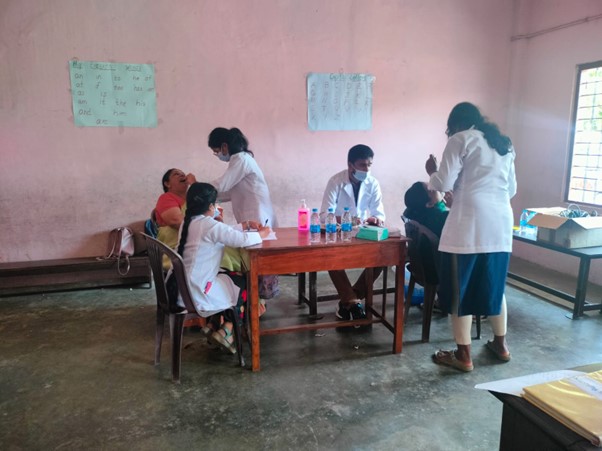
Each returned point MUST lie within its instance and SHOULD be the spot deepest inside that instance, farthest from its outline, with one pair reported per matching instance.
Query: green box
(373, 233)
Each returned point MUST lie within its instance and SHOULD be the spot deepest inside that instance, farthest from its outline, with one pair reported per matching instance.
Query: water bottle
(303, 217)
(346, 225)
(331, 226)
(314, 226)
(523, 223)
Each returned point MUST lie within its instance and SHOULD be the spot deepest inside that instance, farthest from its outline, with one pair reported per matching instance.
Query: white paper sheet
(514, 386)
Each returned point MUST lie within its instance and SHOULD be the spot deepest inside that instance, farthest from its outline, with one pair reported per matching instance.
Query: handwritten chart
(339, 101)
(113, 94)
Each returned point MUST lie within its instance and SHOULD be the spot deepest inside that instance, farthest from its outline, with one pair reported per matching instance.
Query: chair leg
(478, 337)
(411, 284)
(231, 315)
(427, 311)
(176, 326)
(159, 327)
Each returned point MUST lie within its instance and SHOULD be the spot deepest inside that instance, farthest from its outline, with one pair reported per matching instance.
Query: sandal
(225, 341)
(504, 357)
(448, 358)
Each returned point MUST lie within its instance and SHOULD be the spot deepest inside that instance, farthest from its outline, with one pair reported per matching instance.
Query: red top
(165, 202)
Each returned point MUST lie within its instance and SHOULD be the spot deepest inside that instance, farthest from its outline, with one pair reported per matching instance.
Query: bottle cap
(346, 209)
(331, 210)
(314, 210)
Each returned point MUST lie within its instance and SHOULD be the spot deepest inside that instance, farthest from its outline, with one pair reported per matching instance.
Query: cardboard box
(566, 232)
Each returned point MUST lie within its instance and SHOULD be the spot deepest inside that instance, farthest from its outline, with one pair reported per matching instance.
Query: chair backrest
(151, 227)
(422, 253)
(156, 251)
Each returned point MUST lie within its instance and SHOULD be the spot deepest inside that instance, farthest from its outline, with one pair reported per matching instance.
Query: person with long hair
(476, 241)
(201, 246)
(245, 186)
(170, 207)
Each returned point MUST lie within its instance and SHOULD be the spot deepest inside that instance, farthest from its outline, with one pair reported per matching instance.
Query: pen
(266, 223)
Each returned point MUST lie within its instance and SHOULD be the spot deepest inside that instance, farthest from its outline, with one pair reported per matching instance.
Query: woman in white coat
(244, 185)
(476, 241)
(202, 243)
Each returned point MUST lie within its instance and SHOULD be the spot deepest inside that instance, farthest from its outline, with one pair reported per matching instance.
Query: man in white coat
(356, 189)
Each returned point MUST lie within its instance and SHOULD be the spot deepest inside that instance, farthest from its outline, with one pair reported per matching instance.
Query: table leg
(399, 309)
(369, 291)
(584, 264)
(254, 320)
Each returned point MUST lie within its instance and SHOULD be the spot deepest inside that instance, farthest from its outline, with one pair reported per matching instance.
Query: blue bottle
(314, 226)
(346, 225)
(331, 226)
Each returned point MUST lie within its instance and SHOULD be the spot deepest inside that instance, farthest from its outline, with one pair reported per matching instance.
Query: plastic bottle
(346, 225)
(303, 217)
(331, 226)
(523, 223)
(314, 226)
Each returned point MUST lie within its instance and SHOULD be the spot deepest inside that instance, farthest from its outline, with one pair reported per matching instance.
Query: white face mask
(223, 157)
(360, 175)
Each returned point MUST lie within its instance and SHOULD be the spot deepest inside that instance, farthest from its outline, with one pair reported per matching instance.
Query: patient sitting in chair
(426, 207)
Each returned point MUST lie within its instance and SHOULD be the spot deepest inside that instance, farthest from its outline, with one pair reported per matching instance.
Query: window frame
(573, 126)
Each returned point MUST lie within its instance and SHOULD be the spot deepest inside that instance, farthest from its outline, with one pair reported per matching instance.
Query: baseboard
(70, 274)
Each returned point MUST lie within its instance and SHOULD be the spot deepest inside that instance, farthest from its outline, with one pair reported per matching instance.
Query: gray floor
(76, 372)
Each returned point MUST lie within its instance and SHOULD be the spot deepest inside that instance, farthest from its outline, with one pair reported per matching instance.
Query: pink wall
(543, 79)
(218, 63)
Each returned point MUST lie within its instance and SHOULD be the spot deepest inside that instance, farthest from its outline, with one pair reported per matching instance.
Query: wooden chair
(423, 256)
(176, 314)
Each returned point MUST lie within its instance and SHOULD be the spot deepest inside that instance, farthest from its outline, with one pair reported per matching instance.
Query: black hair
(198, 199)
(165, 179)
(465, 115)
(234, 138)
(416, 198)
(359, 152)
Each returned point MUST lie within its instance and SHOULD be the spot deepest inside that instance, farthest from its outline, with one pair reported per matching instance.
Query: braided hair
(234, 138)
(466, 115)
(198, 199)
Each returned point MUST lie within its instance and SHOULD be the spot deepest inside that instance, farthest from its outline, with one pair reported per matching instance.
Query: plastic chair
(423, 256)
(175, 313)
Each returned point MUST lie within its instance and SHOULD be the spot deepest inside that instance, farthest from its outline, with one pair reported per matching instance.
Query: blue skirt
(472, 284)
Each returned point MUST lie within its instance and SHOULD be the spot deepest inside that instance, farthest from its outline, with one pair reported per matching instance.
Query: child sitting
(202, 243)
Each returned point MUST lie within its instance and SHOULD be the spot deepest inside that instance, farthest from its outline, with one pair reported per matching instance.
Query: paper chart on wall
(337, 101)
(113, 94)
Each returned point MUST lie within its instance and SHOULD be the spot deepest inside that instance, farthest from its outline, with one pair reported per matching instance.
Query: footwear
(225, 341)
(448, 358)
(504, 357)
(342, 313)
(357, 312)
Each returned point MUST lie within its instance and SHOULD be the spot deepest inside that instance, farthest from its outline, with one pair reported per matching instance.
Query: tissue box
(373, 233)
(566, 232)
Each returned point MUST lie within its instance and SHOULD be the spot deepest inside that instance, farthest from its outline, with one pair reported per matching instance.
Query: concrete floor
(76, 373)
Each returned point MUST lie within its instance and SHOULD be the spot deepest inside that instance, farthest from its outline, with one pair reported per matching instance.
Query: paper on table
(271, 236)
(514, 386)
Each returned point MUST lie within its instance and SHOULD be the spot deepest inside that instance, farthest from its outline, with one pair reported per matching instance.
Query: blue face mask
(215, 212)
(360, 175)
(223, 157)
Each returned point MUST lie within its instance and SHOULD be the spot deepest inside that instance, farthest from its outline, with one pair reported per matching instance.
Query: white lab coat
(243, 183)
(212, 292)
(480, 219)
(339, 194)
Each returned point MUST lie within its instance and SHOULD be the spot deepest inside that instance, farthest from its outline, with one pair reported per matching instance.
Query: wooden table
(293, 252)
(585, 256)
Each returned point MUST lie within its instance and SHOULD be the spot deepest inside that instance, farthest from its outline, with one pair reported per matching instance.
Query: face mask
(223, 157)
(360, 175)
(215, 212)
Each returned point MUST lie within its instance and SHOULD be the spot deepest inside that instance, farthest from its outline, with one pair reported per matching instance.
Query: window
(585, 167)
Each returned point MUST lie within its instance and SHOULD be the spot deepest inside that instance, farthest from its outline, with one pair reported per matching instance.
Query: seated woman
(426, 207)
(169, 211)
(201, 246)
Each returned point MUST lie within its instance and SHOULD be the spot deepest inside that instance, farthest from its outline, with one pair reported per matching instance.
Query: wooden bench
(70, 274)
